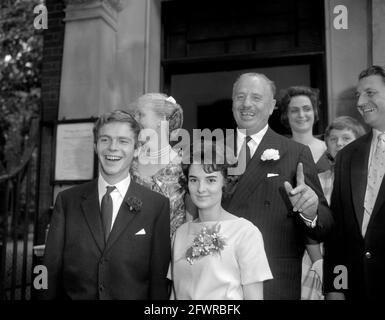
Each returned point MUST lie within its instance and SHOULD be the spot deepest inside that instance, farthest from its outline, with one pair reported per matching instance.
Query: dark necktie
(248, 151)
(106, 208)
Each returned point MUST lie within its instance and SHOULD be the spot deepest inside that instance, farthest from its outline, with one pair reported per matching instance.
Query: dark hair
(255, 75)
(117, 116)
(373, 71)
(212, 157)
(289, 93)
(346, 122)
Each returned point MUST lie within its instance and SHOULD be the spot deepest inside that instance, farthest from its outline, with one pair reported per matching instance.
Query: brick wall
(51, 74)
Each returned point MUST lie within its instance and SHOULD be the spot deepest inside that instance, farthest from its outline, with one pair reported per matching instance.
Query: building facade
(101, 54)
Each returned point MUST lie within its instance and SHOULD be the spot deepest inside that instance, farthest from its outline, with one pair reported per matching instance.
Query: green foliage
(21, 47)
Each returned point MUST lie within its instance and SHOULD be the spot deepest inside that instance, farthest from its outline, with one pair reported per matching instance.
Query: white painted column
(139, 49)
(347, 54)
(378, 27)
(89, 58)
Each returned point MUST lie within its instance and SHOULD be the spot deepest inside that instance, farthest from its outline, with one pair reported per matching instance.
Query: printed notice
(74, 152)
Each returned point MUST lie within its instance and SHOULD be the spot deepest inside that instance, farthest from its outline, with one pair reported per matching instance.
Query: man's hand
(302, 197)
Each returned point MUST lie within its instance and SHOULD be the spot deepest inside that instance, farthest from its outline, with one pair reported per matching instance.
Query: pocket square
(140, 232)
(269, 175)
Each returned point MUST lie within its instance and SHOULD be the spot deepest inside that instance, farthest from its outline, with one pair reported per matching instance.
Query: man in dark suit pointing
(109, 238)
(279, 191)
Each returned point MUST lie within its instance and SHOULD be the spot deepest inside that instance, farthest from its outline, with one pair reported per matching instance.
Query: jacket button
(266, 203)
(368, 255)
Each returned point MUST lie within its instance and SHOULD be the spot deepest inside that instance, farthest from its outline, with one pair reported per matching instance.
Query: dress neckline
(215, 221)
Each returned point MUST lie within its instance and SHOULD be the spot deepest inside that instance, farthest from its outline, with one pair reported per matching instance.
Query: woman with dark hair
(299, 112)
(218, 255)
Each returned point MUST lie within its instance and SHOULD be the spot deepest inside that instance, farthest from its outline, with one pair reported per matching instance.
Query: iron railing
(18, 221)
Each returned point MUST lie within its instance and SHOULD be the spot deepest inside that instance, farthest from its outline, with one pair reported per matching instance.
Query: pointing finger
(300, 175)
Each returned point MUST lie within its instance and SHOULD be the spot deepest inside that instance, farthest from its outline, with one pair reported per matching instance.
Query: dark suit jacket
(364, 257)
(81, 266)
(264, 201)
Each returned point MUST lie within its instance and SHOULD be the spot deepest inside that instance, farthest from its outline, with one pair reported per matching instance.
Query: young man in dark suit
(355, 253)
(265, 194)
(109, 238)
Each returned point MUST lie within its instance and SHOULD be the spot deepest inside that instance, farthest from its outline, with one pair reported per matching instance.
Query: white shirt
(253, 144)
(373, 145)
(117, 195)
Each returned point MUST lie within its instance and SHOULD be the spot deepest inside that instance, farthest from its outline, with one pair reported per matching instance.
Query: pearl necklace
(161, 153)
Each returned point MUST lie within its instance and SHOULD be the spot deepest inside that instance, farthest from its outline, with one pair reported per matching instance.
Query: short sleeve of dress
(251, 255)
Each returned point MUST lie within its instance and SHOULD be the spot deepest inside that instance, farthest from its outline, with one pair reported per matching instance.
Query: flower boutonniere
(134, 204)
(270, 154)
(207, 242)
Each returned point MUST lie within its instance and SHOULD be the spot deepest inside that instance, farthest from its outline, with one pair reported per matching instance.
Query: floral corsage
(207, 242)
(270, 154)
(134, 204)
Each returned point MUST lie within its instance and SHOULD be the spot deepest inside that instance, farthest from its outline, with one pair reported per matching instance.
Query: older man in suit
(109, 238)
(355, 253)
(265, 194)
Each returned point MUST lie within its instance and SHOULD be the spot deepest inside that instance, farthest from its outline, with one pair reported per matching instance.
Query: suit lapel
(256, 170)
(359, 175)
(91, 210)
(124, 216)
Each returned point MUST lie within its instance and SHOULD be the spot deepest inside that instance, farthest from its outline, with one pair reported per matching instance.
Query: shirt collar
(121, 186)
(376, 133)
(257, 137)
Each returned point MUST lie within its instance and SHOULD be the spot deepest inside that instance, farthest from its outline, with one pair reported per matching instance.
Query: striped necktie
(375, 176)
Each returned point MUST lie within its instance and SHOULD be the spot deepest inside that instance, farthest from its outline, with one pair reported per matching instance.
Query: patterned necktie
(106, 208)
(248, 151)
(375, 176)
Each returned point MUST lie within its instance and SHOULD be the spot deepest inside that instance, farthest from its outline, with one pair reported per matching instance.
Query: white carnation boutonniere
(270, 154)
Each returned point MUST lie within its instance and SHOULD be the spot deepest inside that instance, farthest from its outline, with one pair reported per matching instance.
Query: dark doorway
(205, 50)
(216, 115)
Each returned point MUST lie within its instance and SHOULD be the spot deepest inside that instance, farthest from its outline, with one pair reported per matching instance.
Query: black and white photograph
(192, 154)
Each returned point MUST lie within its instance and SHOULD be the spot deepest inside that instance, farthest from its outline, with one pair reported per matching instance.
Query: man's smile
(112, 158)
(367, 109)
(247, 114)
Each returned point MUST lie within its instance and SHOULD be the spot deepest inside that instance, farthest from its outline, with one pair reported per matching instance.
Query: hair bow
(171, 99)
